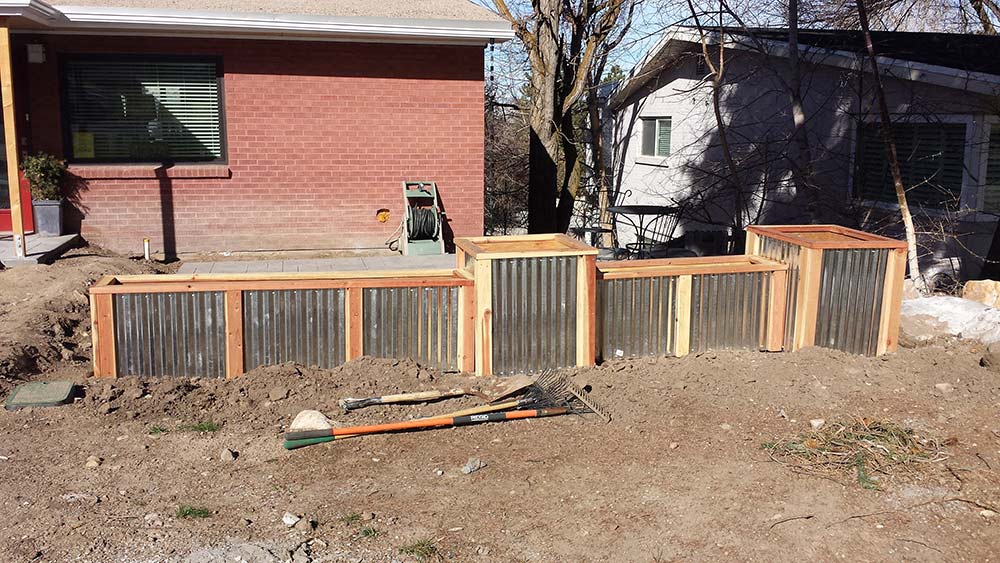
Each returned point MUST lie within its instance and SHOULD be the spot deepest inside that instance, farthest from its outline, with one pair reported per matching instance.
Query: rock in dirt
(987, 513)
(945, 389)
(290, 519)
(153, 520)
(305, 525)
(817, 423)
(986, 292)
(277, 393)
(474, 464)
(674, 445)
(310, 420)
(92, 462)
(228, 455)
(368, 516)
(991, 357)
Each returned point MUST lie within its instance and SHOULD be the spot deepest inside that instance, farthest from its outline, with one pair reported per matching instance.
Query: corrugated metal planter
(223, 325)
(845, 287)
(676, 306)
(535, 298)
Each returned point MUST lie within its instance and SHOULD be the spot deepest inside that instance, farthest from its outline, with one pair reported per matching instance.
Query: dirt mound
(45, 311)
(271, 396)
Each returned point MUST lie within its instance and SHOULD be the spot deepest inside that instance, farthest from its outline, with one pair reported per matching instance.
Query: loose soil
(679, 474)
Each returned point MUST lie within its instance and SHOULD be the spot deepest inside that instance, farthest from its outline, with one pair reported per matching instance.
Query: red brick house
(253, 124)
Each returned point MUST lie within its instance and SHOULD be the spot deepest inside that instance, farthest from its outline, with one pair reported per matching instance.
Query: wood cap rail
(825, 236)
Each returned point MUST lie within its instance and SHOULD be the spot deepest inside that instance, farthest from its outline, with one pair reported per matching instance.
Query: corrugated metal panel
(850, 299)
(636, 317)
(728, 310)
(300, 325)
(160, 334)
(412, 322)
(534, 314)
(788, 254)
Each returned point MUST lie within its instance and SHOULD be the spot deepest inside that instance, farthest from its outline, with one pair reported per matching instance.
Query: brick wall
(319, 136)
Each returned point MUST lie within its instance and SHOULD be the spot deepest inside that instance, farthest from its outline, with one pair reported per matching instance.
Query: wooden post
(777, 302)
(753, 244)
(484, 317)
(10, 139)
(892, 300)
(102, 333)
(586, 310)
(682, 319)
(467, 328)
(807, 300)
(234, 333)
(354, 337)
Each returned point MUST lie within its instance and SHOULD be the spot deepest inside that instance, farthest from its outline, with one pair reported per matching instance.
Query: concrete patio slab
(39, 249)
(348, 264)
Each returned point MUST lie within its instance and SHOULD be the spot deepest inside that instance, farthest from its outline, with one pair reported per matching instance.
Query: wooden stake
(354, 339)
(807, 301)
(682, 321)
(484, 317)
(892, 300)
(10, 140)
(467, 329)
(586, 309)
(102, 331)
(777, 304)
(234, 334)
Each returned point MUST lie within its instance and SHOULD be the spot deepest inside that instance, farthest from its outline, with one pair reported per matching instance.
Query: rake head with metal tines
(557, 390)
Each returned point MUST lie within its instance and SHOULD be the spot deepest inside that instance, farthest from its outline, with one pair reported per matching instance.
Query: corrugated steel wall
(159, 334)
(417, 323)
(785, 253)
(296, 325)
(729, 310)
(636, 317)
(534, 314)
(850, 299)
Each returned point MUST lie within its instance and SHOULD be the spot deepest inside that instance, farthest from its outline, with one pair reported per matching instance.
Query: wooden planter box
(535, 299)
(679, 305)
(221, 325)
(845, 286)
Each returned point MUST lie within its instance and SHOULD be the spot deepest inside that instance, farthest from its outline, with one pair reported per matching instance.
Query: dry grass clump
(868, 448)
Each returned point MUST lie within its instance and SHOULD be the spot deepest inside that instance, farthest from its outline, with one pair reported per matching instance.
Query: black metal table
(649, 221)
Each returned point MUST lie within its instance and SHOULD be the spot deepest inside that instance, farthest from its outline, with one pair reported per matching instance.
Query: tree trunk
(890, 145)
(802, 166)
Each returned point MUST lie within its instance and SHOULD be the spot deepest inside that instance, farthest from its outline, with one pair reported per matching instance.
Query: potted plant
(45, 173)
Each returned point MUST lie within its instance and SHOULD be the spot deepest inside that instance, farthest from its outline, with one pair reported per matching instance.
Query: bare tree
(563, 39)
(885, 127)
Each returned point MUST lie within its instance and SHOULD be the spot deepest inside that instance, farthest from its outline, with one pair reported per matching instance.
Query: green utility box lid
(40, 394)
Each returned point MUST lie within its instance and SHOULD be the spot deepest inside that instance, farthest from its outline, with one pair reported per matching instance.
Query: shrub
(45, 173)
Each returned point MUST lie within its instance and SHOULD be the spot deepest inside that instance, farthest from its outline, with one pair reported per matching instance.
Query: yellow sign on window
(83, 145)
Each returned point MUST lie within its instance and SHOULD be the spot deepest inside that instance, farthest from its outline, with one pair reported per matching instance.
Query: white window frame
(654, 160)
(977, 130)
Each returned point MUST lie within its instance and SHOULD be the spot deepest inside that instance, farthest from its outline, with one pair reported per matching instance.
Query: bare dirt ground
(679, 475)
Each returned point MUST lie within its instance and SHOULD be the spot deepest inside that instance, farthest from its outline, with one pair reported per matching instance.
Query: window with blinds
(143, 110)
(931, 160)
(656, 136)
(991, 191)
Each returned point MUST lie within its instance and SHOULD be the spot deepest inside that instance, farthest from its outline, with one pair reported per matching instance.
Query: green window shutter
(663, 136)
(648, 137)
(931, 160)
(991, 196)
(144, 110)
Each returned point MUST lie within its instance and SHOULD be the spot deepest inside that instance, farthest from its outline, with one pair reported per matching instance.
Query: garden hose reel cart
(423, 222)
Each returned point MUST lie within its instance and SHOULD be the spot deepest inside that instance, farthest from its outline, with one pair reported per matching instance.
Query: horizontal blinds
(931, 157)
(991, 197)
(144, 110)
(663, 137)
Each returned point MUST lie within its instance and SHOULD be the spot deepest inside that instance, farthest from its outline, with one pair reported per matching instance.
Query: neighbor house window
(931, 160)
(143, 109)
(991, 194)
(656, 136)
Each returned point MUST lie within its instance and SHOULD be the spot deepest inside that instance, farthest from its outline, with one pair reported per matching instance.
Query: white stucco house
(944, 95)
